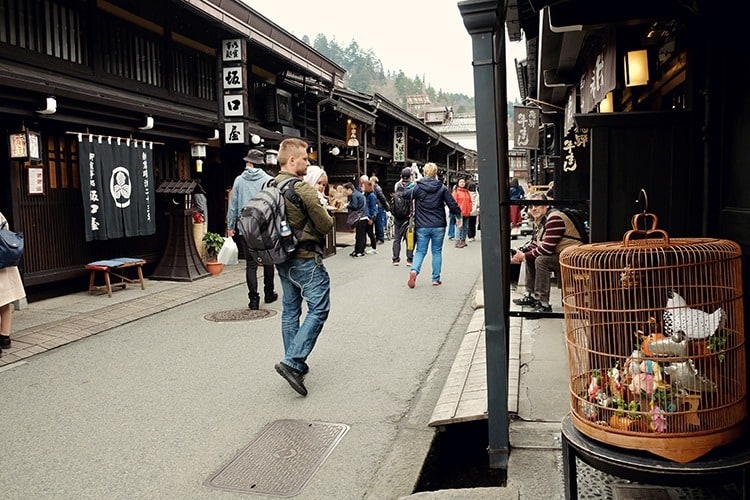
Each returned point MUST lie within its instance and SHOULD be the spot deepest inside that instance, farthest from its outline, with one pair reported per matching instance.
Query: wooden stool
(116, 267)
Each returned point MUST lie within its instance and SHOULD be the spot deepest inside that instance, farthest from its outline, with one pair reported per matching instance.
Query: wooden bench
(115, 267)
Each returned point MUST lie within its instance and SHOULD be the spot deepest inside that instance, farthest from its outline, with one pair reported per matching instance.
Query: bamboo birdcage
(655, 338)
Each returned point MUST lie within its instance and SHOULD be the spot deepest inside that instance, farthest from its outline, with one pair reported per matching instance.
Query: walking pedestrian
(515, 192)
(431, 197)
(11, 290)
(471, 232)
(402, 210)
(452, 219)
(371, 210)
(303, 276)
(246, 186)
(463, 198)
(381, 217)
(358, 204)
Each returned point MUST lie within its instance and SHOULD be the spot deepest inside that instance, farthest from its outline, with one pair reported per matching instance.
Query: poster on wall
(117, 187)
(36, 180)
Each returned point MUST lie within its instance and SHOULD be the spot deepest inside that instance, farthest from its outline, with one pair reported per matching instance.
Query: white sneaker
(370, 251)
(470, 239)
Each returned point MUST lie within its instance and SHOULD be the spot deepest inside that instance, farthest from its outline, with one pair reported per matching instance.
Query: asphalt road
(153, 408)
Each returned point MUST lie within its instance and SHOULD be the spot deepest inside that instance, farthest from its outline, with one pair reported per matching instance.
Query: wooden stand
(729, 464)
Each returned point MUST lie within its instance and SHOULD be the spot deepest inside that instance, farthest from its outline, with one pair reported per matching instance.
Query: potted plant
(214, 242)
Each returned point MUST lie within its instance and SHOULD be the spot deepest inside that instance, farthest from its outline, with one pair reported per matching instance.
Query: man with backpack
(246, 186)
(401, 210)
(303, 275)
(554, 231)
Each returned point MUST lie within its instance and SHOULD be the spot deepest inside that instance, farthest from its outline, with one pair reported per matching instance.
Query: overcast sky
(424, 38)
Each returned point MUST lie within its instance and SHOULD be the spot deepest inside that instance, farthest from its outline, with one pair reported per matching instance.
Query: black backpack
(261, 221)
(578, 218)
(401, 206)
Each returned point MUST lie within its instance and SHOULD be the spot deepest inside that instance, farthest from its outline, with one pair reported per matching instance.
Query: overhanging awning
(348, 108)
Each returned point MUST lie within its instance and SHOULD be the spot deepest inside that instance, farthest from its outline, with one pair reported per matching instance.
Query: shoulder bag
(11, 246)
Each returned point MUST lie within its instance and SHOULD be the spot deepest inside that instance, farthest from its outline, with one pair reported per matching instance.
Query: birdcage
(655, 339)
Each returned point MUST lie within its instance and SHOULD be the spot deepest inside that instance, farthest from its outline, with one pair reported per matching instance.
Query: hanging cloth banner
(526, 127)
(116, 185)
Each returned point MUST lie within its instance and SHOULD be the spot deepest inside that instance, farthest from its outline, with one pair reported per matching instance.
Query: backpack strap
(287, 191)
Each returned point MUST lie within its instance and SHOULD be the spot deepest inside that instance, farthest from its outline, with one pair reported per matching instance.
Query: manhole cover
(281, 460)
(240, 315)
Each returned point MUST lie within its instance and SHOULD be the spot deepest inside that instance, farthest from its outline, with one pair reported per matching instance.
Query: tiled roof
(459, 123)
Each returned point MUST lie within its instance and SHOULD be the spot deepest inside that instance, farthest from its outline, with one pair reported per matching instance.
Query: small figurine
(594, 385)
(657, 344)
(683, 375)
(658, 419)
(615, 384)
(648, 379)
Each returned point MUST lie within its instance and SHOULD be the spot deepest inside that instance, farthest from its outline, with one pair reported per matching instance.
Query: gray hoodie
(246, 186)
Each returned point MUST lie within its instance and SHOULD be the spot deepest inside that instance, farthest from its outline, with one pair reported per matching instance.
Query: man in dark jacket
(431, 197)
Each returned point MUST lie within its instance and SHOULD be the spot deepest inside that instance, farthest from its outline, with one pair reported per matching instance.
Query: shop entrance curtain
(116, 185)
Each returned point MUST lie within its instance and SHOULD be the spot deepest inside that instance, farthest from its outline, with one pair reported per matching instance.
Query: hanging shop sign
(526, 130)
(399, 143)
(234, 101)
(600, 77)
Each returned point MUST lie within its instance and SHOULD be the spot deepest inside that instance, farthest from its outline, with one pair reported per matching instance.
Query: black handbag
(11, 247)
(353, 218)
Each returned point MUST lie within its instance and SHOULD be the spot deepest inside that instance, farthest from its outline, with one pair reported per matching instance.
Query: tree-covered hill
(365, 73)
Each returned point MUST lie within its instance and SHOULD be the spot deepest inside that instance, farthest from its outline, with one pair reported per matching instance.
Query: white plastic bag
(229, 253)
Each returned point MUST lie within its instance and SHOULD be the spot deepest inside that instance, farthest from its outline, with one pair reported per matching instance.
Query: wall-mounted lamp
(607, 104)
(255, 139)
(148, 123)
(25, 145)
(198, 149)
(50, 106)
(272, 157)
(335, 151)
(636, 68)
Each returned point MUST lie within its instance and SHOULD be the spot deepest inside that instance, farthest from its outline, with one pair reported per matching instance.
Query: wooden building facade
(150, 73)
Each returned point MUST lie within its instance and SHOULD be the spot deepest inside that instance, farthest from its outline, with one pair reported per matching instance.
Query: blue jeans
(462, 231)
(426, 236)
(451, 226)
(303, 279)
(380, 221)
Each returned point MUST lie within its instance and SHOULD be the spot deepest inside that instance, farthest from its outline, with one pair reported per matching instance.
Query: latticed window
(52, 28)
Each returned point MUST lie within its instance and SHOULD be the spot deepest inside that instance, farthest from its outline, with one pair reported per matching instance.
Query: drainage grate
(281, 460)
(641, 492)
(240, 315)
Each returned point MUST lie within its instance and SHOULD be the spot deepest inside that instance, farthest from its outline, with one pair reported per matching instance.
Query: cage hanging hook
(642, 195)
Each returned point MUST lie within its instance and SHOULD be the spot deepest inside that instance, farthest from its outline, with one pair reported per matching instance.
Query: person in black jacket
(380, 218)
(431, 197)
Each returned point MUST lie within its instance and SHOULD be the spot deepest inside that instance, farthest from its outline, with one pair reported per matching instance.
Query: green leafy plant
(214, 242)
(718, 342)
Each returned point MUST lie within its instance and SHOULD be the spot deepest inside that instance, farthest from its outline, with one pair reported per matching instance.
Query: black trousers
(251, 274)
(360, 237)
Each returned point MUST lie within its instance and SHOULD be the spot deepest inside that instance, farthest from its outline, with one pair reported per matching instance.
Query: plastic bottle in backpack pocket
(287, 238)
